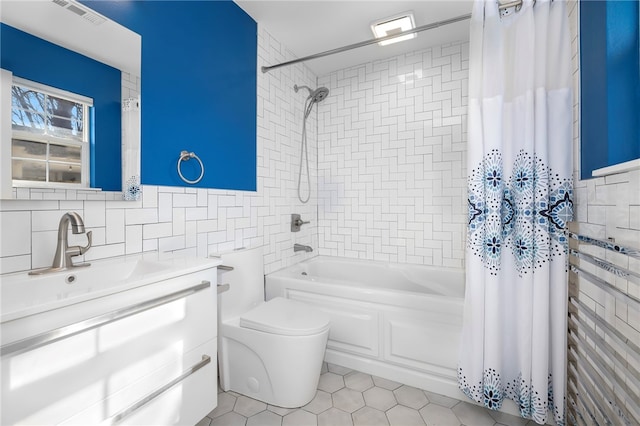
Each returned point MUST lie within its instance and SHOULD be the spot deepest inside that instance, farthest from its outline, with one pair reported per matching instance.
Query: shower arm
(265, 69)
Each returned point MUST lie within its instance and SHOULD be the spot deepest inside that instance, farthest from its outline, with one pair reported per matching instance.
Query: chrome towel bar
(603, 345)
(604, 285)
(635, 253)
(607, 266)
(611, 332)
(584, 388)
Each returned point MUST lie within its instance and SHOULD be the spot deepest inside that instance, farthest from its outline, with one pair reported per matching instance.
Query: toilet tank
(246, 282)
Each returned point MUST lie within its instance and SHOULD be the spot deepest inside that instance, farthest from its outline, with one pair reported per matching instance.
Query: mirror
(75, 29)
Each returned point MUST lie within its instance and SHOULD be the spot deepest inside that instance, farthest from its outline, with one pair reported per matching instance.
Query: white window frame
(55, 140)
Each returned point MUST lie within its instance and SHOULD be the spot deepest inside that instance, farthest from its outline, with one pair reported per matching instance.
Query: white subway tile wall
(392, 159)
(606, 207)
(192, 221)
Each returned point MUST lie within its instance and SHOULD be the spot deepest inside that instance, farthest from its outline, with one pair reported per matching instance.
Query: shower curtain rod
(265, 69)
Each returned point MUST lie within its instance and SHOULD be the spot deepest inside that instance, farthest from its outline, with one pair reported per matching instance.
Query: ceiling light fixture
(394, 25)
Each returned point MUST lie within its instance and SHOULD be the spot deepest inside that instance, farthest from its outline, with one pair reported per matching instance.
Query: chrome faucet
(64, 253)
(300, 247)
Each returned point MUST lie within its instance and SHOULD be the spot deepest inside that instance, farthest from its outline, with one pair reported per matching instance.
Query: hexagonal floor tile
(265, 418)
(229, 419)
(384, 383)
(348, 400)
(411, 397)
(437, 415)
(225, 405)
(404, 416)
(358, 381)
(330, 382)
(471, 414)
(334, 417)
(379, 398)
(248, 407)
(319, 403)
(204, 422)
(300, 418)
(338, 369)
(367, 416)
(445, 401)
(279, 410)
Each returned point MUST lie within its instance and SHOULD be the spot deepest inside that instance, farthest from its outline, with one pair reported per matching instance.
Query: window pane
(27, 99)
(56, 154)
(27, 109)
(29, 170)
(61, 172)
(65, 153)
(63, 128)
(28, 149)
(65, 117)
(27, 121)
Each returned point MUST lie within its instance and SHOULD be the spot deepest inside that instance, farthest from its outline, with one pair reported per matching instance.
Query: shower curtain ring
(186, 156)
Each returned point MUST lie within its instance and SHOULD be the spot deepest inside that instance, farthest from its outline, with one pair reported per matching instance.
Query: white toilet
(270, 351)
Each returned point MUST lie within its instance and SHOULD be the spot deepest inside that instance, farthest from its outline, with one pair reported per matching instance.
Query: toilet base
(275, 369)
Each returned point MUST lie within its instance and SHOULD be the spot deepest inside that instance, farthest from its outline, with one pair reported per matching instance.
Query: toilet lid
(285, 317)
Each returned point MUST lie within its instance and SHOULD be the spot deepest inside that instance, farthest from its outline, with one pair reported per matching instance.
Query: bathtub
(398, 322)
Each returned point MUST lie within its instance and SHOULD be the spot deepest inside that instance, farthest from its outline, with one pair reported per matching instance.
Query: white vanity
(129, 340)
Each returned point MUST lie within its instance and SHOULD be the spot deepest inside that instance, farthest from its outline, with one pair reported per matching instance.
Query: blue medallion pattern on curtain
(525, 212)
(532, 403)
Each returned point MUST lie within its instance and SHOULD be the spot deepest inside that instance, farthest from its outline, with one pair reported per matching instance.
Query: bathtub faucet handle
(297, 222)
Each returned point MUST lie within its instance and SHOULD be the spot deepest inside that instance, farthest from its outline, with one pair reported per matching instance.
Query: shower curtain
(520, 199)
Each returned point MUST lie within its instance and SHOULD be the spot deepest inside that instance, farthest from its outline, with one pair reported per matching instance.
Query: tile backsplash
(187, 220)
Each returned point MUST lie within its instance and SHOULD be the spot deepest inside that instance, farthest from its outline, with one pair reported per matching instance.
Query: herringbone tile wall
(391, 159)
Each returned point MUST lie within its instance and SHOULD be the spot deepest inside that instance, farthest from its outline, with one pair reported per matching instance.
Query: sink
(24, 294)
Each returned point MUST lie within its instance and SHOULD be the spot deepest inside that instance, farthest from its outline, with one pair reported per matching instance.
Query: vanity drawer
(180, 393)
(50, 383)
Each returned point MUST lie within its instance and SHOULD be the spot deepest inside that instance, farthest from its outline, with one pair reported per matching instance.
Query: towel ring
(186, 156)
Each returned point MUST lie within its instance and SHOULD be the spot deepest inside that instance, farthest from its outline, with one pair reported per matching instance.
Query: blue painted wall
(38, 60)
(610, 84)
(199, 62)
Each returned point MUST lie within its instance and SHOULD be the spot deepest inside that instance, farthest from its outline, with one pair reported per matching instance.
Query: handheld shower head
(317, 95)
(320, 94)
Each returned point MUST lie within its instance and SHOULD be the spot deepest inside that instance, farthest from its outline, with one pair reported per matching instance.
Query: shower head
(317, 95)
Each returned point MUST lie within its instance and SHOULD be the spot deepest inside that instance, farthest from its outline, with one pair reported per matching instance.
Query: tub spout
(300, 247)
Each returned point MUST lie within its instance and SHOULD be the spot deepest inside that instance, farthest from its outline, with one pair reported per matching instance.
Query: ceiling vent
(394, 25)
(81, 11)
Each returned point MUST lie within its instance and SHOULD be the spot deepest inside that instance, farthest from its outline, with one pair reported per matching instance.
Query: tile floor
(346, 397)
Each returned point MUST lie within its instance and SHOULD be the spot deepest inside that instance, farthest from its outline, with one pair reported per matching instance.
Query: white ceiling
(307, 27)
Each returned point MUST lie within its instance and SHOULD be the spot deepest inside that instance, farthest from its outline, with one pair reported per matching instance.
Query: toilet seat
(285, 317)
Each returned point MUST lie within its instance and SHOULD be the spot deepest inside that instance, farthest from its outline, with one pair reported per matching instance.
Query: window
(50, 136)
